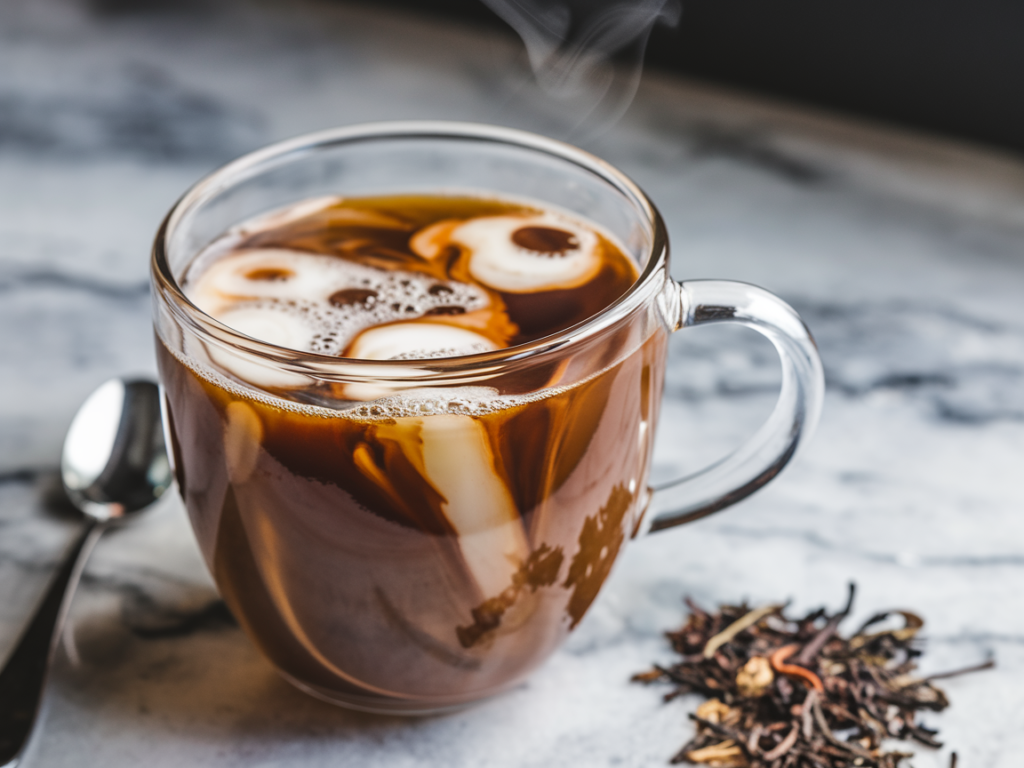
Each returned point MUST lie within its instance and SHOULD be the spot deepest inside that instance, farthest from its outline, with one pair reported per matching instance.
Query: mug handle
(762, 457)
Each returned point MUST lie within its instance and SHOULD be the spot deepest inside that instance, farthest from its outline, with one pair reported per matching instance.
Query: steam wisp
(587, 54)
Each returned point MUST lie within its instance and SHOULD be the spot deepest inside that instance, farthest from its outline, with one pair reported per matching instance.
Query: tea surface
(407, 277)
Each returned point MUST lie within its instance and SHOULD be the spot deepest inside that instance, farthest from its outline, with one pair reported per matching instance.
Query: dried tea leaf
(794, 693)
(745, 622)
(907, 632)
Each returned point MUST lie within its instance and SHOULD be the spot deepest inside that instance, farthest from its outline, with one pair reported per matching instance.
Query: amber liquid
(418, 561)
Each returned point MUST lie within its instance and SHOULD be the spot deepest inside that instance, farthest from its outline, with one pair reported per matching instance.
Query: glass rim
(645, 287)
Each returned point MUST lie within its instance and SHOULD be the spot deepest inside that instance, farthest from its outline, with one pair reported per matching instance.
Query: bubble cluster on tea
(385, 544)
(407, 277)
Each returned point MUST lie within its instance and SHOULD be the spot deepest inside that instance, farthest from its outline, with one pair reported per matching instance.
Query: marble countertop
(904, 253)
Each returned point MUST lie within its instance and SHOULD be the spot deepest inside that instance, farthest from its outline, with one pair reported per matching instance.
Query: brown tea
(388, 545)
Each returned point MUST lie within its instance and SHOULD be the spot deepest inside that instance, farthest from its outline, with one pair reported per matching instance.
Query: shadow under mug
(432, 548)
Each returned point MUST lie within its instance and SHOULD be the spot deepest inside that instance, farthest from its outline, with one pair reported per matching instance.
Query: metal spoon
(113, 465)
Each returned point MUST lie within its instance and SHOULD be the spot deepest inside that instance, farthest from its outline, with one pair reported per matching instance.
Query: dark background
(945, 66)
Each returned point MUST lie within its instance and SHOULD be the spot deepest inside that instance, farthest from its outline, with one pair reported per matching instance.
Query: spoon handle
(23, 677)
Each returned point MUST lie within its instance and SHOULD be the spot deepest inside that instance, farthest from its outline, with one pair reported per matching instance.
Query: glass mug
(368, 580)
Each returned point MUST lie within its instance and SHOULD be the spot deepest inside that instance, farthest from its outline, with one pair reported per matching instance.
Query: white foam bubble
(272, 324)
(333, 299)
(272, 273)
(415, 340)
(418, 340)
(268, 323)
(498, 261)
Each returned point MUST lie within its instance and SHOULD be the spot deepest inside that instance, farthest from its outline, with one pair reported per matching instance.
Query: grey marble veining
(905, 255)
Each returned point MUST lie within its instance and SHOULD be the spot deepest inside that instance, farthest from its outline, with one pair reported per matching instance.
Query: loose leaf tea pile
(785, 693)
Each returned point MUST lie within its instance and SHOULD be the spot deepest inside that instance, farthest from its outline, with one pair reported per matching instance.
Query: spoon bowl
(113, 465)
(114, 461)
